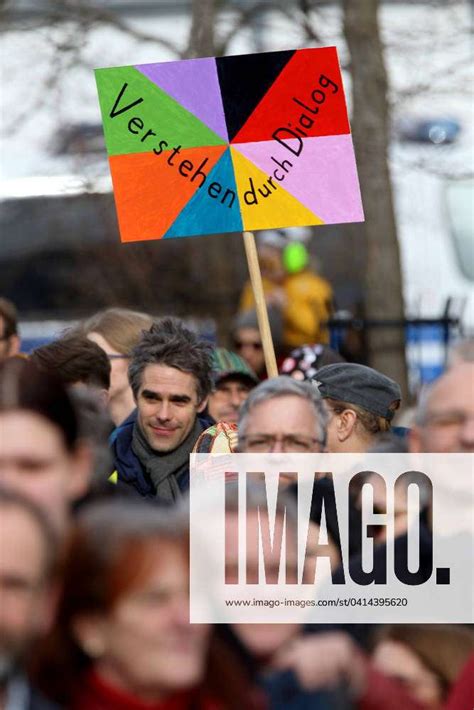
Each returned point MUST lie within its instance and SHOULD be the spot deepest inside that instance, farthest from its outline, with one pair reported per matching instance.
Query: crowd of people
(96, 432)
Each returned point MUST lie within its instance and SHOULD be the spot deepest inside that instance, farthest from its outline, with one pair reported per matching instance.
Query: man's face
(282, 424)
(34, 460)
(8, 345)
(225, 402)
(148, 646)
(167, 404)
(449, 425)
(24, 594)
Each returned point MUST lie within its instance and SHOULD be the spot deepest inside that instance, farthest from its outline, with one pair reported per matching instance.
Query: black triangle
(244, 81)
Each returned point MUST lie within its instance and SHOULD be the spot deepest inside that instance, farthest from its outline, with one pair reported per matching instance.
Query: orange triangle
(150, 192)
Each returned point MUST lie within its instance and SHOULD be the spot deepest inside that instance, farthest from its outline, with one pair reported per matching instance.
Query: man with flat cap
(361, 403)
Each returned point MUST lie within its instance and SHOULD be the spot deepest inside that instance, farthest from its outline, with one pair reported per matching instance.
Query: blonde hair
(121, 327)
(372, 423)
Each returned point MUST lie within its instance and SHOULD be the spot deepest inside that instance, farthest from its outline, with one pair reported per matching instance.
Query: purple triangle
(194, 84)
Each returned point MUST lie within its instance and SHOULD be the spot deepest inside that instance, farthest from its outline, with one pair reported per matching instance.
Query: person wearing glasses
(117, 331)
(283, 415)
(247, 341)
(444, 422)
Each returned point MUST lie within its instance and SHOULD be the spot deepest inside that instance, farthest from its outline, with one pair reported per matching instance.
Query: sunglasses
(255, 345)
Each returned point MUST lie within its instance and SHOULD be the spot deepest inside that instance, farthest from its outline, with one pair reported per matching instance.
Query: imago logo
(332, 538)
(363, 519)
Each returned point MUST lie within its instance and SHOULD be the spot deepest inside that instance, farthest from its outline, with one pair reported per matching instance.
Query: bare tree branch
(246, 16)
(304, 8)
(87, 15)
(433, 81)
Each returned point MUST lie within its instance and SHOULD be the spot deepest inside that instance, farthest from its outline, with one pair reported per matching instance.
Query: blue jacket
(129, 472)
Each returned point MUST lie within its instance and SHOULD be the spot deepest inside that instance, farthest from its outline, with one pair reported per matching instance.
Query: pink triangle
(323, 177)
(194, 85)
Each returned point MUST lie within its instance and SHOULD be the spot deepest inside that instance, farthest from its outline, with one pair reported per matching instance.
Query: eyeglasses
(254, 344)
(117, 357)
(290, 443)
(448, 419)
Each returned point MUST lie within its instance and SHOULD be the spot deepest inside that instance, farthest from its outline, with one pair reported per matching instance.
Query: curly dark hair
(169, 342)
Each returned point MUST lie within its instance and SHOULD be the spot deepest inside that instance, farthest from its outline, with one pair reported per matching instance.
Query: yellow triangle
(278, 209)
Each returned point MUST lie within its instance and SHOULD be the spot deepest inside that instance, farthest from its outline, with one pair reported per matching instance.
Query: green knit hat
(226, 363)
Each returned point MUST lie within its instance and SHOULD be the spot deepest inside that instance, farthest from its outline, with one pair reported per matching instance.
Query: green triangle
(119, 88)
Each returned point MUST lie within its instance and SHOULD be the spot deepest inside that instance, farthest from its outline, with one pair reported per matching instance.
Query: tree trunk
(201, 36)
(370, 127)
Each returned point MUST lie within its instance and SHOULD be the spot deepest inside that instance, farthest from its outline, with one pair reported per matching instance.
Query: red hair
(109, 552)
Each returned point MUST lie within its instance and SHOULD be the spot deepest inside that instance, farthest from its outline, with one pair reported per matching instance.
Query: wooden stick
(260, 303)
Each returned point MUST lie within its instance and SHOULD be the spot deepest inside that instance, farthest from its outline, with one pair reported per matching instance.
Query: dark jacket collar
(128, 466)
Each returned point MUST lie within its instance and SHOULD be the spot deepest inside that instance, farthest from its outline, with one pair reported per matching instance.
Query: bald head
(445, 420)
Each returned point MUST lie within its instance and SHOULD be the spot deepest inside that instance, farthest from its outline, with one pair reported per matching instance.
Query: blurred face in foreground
(261, 640)
(448, 425)
(35, 461)
(24, 593)
(397, 661)
(145, 644)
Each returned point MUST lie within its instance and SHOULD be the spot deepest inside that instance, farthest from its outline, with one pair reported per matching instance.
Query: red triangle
(310, 85)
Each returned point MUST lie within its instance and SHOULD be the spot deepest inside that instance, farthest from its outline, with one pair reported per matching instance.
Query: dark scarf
(164, 469)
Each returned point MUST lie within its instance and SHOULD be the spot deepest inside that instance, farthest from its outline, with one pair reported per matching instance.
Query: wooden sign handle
(260, 303)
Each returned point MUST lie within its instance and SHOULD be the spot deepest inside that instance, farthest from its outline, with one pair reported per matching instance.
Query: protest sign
(230, 144)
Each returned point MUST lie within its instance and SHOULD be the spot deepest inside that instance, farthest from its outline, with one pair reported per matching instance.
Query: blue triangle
(213, 208)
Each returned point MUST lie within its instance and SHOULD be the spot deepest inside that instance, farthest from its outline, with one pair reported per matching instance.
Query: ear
(201, 407)
(81, 470)
(89, 631)
(345, 423)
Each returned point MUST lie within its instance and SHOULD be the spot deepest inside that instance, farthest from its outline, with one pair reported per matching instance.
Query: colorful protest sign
(249, 142)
